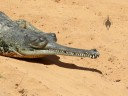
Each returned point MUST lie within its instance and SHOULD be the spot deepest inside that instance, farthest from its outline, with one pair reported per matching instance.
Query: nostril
(53, 34)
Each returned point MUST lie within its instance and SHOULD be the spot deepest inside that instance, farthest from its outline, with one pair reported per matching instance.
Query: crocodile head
(46, 44)
(21, 39)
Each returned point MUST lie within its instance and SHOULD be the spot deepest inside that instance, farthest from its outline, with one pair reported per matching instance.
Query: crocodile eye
(39, 43)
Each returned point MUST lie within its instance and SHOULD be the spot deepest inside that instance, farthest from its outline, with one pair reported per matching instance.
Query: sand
(80, 24)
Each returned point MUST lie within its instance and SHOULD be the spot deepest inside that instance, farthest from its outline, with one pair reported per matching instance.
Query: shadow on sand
(50, 60)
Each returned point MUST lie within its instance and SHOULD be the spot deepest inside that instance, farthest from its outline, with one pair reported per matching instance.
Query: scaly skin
(22, 40)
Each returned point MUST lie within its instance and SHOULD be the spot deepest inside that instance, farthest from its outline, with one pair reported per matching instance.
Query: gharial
(20, 39)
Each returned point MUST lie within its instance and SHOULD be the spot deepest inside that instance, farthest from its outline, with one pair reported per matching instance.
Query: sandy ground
(77, 23)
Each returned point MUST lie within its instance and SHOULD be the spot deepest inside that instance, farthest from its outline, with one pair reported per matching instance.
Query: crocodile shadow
(50, 60)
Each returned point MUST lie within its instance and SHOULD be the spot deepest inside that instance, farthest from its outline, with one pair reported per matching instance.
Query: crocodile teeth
(88, 55)
(79, 54)
(85, 55)
(96, 55)
(82, 55)
(72, 53)
(91, 56)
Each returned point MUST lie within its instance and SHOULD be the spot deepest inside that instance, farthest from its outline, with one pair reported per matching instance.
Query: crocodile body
(20, 39)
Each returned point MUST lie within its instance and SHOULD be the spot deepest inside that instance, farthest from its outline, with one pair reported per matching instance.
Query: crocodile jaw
(56, 49)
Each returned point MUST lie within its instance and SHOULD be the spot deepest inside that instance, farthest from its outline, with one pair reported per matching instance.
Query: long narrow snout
(64, 50)
(57, 49)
